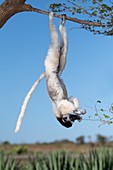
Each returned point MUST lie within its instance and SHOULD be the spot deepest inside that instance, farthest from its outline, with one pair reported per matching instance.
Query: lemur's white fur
(54, 65)
(26, 100)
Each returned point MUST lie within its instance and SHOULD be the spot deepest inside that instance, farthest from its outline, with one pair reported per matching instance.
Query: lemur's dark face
(64, 122)
(68, 119)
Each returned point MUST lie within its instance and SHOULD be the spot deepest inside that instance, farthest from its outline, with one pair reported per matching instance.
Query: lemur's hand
(51, 16)
(79, 112)
(63, 19)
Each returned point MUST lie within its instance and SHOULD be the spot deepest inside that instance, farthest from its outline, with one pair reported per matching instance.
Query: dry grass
(29, 149)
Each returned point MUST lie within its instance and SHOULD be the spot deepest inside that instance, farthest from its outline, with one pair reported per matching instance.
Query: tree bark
(12, 7)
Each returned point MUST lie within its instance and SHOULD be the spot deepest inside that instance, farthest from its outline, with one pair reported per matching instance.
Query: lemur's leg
(66, 107)
(75, 102)
(52, 58)
(53, 32)
(63, 45)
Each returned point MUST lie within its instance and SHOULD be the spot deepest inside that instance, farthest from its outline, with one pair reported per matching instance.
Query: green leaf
(111, 122)
(74, 8)
(106, 116)
(94, 1)
(92, 8)
(112, 108)
(98, 101)
(94, 13)
(79, 10)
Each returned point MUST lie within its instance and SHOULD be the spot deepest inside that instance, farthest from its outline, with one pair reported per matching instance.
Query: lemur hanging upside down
(66, 109)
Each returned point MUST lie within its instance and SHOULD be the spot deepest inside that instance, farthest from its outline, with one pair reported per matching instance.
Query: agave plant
(7, 163)
(96, 160)
(62, 160)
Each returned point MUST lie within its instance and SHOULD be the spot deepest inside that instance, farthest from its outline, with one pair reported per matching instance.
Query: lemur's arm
(63, 45)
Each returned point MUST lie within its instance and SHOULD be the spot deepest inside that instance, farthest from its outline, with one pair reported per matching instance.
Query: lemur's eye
(65, 118)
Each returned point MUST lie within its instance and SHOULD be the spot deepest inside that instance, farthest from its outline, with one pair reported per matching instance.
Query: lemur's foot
(80, 112)
(63, 19)
(51, 16)
(83, 112)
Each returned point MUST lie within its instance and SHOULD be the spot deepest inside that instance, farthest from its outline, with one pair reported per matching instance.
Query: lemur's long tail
(26, 100)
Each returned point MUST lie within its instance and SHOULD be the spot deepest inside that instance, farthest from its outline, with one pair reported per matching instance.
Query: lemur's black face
(68, 119)
(64, 122)
(71, 118)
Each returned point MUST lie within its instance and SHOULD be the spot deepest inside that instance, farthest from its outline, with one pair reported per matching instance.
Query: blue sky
(24, 41)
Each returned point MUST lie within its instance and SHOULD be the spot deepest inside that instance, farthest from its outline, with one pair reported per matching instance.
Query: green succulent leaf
(106, 116)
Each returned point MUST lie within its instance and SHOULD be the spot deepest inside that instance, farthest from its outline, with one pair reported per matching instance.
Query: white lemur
(66, 109)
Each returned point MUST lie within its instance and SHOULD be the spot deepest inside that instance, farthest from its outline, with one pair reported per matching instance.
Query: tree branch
(8, 9)
(11, 7)
(30, 8)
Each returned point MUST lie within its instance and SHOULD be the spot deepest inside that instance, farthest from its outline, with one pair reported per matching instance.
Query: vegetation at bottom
(6, 163)
(61, 160)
